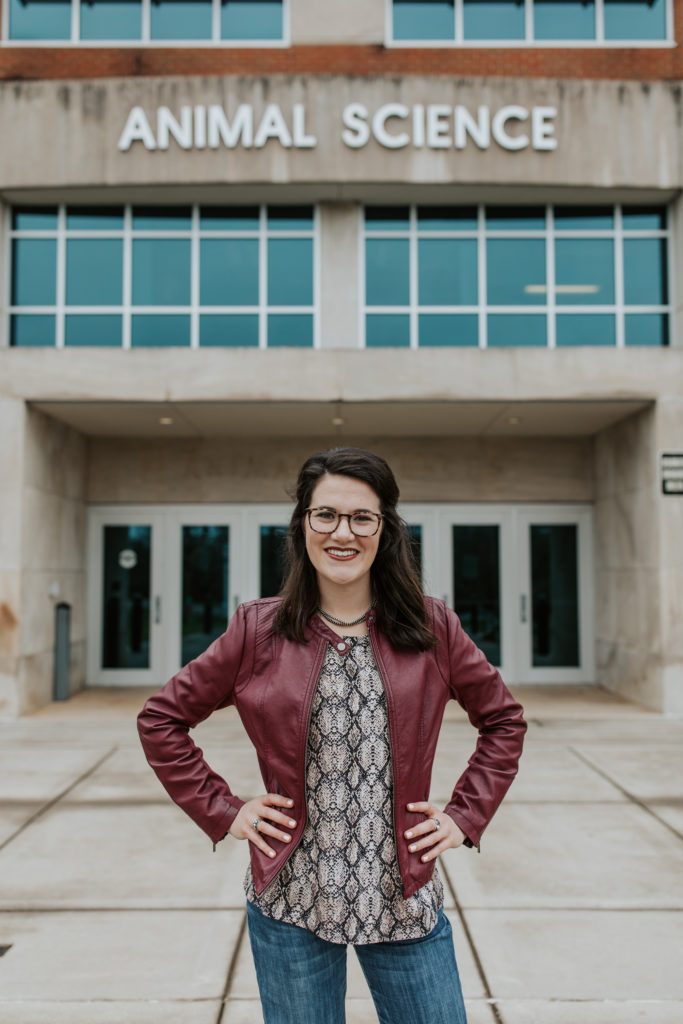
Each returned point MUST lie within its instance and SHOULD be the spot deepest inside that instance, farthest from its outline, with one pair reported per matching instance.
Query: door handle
(157, 609)
(522, 608)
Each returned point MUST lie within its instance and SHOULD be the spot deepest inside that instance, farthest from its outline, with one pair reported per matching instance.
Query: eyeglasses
(326, 520)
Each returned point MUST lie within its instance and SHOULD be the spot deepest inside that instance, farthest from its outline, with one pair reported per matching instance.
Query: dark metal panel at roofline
(345, 420)
(339, 192)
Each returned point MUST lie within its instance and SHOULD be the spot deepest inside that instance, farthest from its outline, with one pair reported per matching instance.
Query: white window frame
(144, 39)
(529, 41)
(550, 310)
(194, 235)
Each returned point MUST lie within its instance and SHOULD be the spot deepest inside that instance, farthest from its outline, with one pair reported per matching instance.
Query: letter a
(137, 130)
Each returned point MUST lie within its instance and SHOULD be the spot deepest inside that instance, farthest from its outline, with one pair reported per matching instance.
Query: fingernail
(423, 858)
(412, 850)
(271, 853)
(409, 835)
(410, 806)
(292, 824)
(286, 837)
(290, 802)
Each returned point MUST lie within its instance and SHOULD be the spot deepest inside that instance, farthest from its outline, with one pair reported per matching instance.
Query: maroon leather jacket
(271, 682)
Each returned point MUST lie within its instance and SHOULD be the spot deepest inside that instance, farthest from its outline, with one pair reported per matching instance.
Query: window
(161, 276)
(499, 276)
(524, 22)
(146, 21)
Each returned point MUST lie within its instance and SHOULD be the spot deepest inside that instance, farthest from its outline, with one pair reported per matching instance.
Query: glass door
(125, 641)
(555, 596)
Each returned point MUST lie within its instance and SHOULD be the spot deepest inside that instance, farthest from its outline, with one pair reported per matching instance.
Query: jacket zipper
(308, 729)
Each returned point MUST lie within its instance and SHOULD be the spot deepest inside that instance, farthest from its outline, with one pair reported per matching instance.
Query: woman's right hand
(270, 819)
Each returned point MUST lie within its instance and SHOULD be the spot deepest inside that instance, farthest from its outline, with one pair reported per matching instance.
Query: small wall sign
(672, 473)
(128, 558)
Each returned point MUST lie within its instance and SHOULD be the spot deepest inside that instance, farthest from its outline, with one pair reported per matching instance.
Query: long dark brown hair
(396, 585)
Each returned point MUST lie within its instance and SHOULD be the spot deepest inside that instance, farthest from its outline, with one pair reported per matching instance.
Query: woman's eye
(325, 517)
(361, 517)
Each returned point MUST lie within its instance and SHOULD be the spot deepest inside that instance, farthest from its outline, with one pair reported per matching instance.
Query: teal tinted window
(587, 218)
(229, 272)
(387, 218)
(40, 19)
(646, 329)
(96, 218)
(446, 218)
(585, 329)
(34, 271)
(180, 19)
(161, 272)
(35, 218)
(159, 330)
(515, 269)
(387, 330)
(515, 218)
(251, 19)
(645, 272)
(162, 218)
(424, 19)
(448, 329)
(290, 218)
(290, 271)
(229, 218)
(506, 330)
(494, 19)
(639, 218)
(111, 19)
(564, 19)
(387, 274)
(290, 329)
(217, 330)
(635, 19)
(32, 330)
(584, 271)
(94, 272)
(447, 271)
(93, 330)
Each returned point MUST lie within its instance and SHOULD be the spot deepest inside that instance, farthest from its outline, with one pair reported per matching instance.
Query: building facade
(236, 231)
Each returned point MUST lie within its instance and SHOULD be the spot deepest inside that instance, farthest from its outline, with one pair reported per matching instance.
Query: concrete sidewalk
(116, 911)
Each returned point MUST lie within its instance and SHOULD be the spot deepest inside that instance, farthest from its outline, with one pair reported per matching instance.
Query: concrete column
(676, 275)
(669, 437)
(340, 228)
(353, 22)
(12, 421)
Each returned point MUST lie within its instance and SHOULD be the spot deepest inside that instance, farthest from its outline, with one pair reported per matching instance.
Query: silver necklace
(340, 622)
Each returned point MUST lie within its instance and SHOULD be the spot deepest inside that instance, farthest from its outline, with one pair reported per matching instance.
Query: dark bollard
(62, 650)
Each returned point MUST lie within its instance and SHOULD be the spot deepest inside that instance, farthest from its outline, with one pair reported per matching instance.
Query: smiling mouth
(343, 554)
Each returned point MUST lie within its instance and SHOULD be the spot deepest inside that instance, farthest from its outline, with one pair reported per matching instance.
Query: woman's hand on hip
(260, 817)
(429, 839)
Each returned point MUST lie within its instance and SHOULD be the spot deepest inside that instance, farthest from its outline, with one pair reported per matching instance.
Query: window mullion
(263, 278)
(61, 276)
(127, 276)
(459, 21)
(529, 20)
(619, 276)
(599, 21)
(216, 21)
(550, 277)
(75, 20)
(481, 275)
(146, 20)
(412, 271)
(194, 279)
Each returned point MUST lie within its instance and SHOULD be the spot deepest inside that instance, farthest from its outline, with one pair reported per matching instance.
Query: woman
(341, 684)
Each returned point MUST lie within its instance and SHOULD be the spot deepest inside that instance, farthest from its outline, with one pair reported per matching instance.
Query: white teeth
(341, 552)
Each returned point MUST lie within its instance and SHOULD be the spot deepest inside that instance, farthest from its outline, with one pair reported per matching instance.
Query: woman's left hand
(426, 838)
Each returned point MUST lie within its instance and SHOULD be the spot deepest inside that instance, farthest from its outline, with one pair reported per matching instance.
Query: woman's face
(342, 558)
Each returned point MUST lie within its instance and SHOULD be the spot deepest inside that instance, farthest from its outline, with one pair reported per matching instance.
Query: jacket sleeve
(202, 686)
(491, 708)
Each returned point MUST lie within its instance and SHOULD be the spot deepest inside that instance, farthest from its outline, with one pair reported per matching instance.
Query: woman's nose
(343, 528)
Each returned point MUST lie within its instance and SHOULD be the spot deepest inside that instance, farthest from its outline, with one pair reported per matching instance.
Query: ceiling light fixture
(165, 421)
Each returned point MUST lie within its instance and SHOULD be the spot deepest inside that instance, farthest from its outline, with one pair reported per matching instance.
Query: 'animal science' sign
(394, 126)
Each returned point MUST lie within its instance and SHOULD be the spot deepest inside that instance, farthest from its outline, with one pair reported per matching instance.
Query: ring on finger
(255, 824)
(437, 823)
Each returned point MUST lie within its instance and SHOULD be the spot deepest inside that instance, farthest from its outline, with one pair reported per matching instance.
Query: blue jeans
(302, 979)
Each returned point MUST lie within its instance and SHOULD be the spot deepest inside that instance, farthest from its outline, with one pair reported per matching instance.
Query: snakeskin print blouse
(342, 882)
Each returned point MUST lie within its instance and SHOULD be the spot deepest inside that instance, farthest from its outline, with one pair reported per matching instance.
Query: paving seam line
(60, 796)
(629, 796)
(475, 953)
(232, 968)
